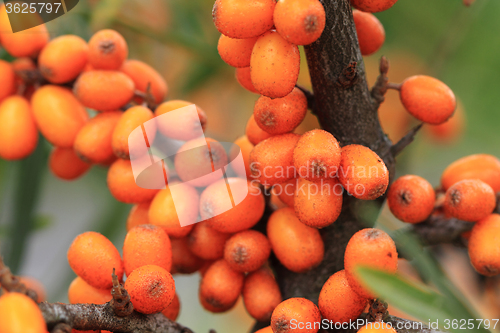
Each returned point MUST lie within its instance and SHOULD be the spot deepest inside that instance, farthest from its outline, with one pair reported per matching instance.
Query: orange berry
(480, 166)
(300, 22)
(274, 65)
(234, 212)
(58, 115)
(449, 131)
(297, 314)
(470, 200)
(35, 285)
(271, 161)
(122, 185)
(107, 50)
(207, 243)
(7, 80)
(427, 99)
(243, 19)
(261, 294)
(183, 260)
(104, 90)
(146, 245)
(151, 289)
(65, 164)
(179, 125)
(297, 246)
(247, 250)
(280, 115)
(362, 172)
(483, 247)
(243, 77)
(373, 248)
(143, 76)
(220, 287)
(317, 155)
(373, 6)
(93, 257)
(164, 213)
(245, 147)
(63, 58)
(338, 302)
(286, 191)
(411, 199)
(138, 215)
(172, 311)
(254, 133)
(93, 141)
(371, 33)
(126, 145)
(236, 52)
(15, 309)
(266, 329)
(18, 132)
(318, 204)
(80, 292)
(375, 327)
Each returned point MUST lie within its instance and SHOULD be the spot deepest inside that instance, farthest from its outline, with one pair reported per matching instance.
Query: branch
(399, 146)
(416, 327)
(439, 229)
(380, 88)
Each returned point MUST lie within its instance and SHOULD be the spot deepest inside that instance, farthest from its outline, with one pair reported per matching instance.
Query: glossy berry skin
(247, 251)
(236, 52)
(261, 294)
(81, 292)
(373, 6)
(411, 199)
(427, 99)
(19, 313)
(479, 166)
(470, 200)
(293, 312)
(65, 164)
(483, 247)
(107, 50)
(371, 33)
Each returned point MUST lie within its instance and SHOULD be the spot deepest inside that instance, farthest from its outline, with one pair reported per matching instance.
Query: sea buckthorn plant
(297, 237)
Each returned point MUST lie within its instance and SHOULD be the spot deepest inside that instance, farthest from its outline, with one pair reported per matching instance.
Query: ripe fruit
(145, 76)
(338, 302)
(182, 126)
(373, 6)
(297, 246)
(286, 191)
(138, 215)
(93, 257)
(470, 200)
(63, 58)
(104, 90)
(411, 199)
(151, 289)
(483, 245)
(7, 80)
(317, 155)
(65, 164)
(300, 22)
(480, 166)
(233, 211)
(261, 294)
(146, 245)
(266, 329)
(362, 172)
(298, 315)
(183, 260)
(273, 54)
(245, 147)
(369, 247)
(371, 33)
(318, 204)
(220, 287)
(280, 115)
(236, 52)
(243, 77)
(376, 327)
(15, 309)
(107, 50)
(254, 133)
(451, 130)
(271, 161)
(81, 292)
(427, 99)
(18, 132)
(207, 243)
(58, 115)
(247, 251)
(243, 19)
(172, 311)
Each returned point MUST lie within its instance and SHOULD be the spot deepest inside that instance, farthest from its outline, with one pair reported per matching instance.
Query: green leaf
(42, 222)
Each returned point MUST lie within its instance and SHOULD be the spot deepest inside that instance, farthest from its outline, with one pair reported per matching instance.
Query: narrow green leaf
(42, 222)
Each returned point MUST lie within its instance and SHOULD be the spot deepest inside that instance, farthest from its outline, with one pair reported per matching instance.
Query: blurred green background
(442, 38)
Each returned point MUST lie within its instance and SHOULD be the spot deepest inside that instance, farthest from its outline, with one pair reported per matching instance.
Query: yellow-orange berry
(179, 125)
(280, 115)
(261, 294)
(58, 115)
(183, 260)
(480, 166)
(411, 199)
(236, 52)
(243, 77)
(297, 314)
(151, 289)
(427, 99)
(207, 243)
(19, 313)
(245, 147)
(243, 19)
(65, 164)
(122, 185)
(63, 58)
(18, 132)
(93, 257)
(254, 133)
(362, 172)
(266, 329)
(145, 76)
(470, 200)
(81, 292)
(338, 302)
(7, 80)
(371, 33)
(172, 311)
(449, 131)
(300, 22)
(373, 6)
(107, 50)
(138, 215)
(286, 191)
(247, 250)
(483, 247)
(297, 246)
(369, 247)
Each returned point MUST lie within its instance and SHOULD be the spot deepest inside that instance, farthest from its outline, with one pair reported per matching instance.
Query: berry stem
(394, 86)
